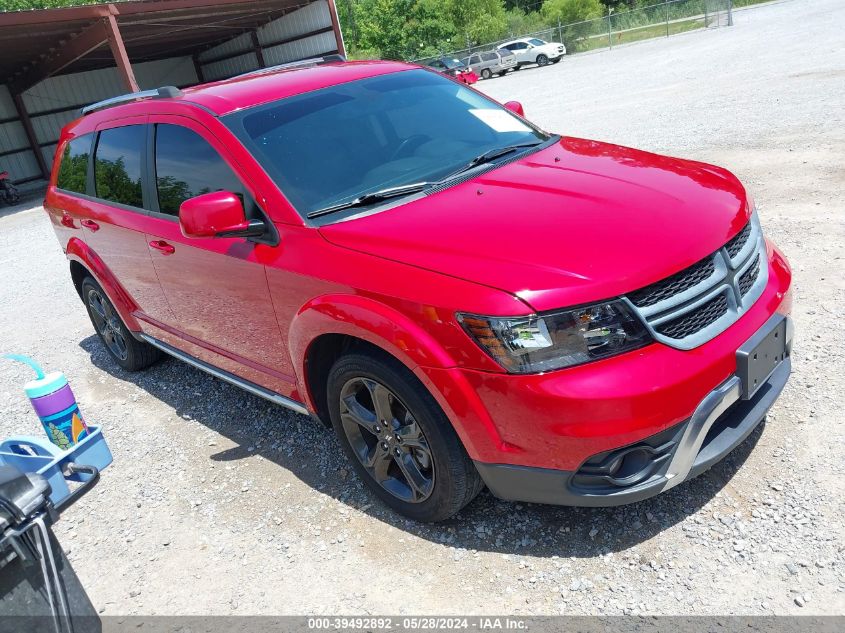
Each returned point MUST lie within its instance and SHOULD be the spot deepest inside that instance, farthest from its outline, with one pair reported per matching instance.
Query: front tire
(130, 353)
(398, 439)
(486, 74)
(542, 60)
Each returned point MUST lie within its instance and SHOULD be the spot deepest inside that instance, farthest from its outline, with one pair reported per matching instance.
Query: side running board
(251, 387)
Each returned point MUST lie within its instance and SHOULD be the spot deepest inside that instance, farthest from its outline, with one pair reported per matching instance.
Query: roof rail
(301, 63)
(164, 92)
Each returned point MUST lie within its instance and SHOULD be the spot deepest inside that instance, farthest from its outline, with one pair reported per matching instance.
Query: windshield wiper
(369, 198)
(490, 155)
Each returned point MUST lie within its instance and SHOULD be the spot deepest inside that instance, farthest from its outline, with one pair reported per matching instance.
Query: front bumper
(719, 424)
(515, 426)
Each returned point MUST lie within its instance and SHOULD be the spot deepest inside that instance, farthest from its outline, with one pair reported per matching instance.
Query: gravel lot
(218, 502)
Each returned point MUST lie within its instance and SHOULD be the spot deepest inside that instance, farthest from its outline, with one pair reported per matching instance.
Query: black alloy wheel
(107, 323)
(129, 352)
(397, 438)
(387, 440)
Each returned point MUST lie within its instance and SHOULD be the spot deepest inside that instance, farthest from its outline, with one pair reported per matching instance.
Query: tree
(520, 22)
(569, 11)
(479, 21)
(430, 28)
(381, 26)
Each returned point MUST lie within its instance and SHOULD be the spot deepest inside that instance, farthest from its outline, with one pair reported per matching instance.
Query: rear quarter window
(73, 166)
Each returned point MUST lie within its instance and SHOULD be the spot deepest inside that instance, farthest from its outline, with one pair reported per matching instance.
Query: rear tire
(398, 439)
(486, 74)
(127, 351)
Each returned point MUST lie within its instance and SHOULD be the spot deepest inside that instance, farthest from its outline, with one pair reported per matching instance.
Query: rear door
(110, 214)
(523, 54)
(217, 288)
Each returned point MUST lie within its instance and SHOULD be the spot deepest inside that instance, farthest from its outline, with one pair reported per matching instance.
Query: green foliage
(24, 5)
(519, 22)
(478, 21)
(381, 26)
(570, 11)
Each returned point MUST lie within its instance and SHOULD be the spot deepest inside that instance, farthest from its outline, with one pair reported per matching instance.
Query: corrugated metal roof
(152, 29)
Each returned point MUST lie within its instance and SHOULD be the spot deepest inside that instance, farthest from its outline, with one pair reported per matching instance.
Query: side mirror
(217, 214)
(516, 107)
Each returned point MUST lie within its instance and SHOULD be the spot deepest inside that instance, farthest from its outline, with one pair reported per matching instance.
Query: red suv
(467, 299)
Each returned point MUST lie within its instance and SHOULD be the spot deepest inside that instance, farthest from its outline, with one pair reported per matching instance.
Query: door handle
(164, 247)
(67, 220)
(90, 225)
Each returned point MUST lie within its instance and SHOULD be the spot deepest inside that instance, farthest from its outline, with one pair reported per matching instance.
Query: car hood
(576, 222)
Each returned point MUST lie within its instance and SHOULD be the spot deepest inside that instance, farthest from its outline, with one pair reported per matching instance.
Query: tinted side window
(73, 169)
(117, 165)
(187, 166)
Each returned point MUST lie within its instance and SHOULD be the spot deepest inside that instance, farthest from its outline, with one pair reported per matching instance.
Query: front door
(216, 287)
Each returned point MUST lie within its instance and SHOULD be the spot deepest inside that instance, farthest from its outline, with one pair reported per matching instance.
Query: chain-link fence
(658, 20)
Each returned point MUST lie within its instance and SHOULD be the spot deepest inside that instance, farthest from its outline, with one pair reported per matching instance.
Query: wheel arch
(331, 325)
(85, 262)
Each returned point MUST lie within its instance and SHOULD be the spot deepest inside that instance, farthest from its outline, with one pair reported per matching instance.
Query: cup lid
(53, 381)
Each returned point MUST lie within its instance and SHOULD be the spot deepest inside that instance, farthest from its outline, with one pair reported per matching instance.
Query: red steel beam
(23, 115)
(118, 49)
(336, 28)
(256, 47)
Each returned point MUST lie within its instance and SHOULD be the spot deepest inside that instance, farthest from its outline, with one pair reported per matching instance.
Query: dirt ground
(218, 502)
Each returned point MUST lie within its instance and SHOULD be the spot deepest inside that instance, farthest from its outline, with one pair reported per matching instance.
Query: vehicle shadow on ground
(311, 452)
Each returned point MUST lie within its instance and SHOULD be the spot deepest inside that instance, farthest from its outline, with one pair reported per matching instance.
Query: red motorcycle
(8, 192)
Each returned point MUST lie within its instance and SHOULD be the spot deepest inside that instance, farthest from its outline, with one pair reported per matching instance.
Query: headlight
(536, 343)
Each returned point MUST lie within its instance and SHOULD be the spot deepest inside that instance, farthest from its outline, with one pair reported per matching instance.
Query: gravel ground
(218, 502)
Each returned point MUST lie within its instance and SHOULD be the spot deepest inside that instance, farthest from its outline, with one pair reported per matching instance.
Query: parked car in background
(488, 63)
(466, 299)
(454, 68)
(531, 50)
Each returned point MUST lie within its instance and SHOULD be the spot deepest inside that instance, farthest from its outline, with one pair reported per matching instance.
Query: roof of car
(253, 89)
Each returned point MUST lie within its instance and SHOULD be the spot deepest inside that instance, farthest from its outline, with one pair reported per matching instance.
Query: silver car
(488, 63)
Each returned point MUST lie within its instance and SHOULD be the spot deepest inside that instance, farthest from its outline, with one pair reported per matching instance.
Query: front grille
(672, 308)
(696, 320)
(673, 285)
(738, 241)
(749, 277)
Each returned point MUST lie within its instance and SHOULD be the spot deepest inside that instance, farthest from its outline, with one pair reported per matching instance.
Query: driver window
(187, 166)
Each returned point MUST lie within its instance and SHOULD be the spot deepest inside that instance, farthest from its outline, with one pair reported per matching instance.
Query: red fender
(80, 252)
(400, 336)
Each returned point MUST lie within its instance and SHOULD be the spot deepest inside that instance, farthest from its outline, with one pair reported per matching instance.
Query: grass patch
(638, 34)
(747, 3)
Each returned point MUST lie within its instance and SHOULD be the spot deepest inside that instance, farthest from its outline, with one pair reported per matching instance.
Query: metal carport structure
(54, 61)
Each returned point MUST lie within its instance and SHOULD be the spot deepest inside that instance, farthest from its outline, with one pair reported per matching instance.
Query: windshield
(329, 146)
(452, 63)
(536, 42)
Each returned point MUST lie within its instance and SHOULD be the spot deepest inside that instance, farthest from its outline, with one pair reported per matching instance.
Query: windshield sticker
(500, 120)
